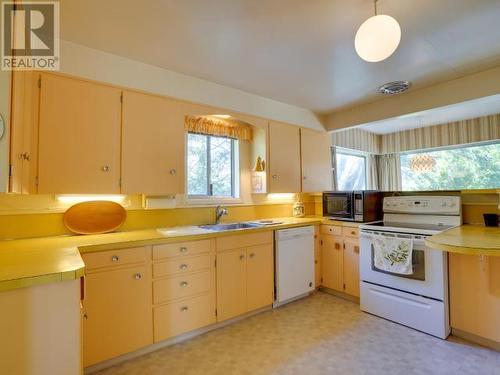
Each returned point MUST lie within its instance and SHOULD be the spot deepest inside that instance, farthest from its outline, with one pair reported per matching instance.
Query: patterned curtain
(219, 127)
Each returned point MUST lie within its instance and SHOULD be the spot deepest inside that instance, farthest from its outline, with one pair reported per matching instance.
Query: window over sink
(212, 166)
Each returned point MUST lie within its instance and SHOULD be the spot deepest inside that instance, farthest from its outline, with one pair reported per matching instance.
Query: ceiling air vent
(393, 88)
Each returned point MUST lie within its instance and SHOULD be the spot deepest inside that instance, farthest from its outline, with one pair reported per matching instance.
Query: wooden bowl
(94, 217)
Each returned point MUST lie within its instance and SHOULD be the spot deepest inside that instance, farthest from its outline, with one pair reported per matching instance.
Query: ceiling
(461, 111)
(295, 51)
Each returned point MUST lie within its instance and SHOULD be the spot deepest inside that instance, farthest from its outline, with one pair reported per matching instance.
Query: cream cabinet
(284, 158)
(183, 287)
(78, 136)
(316, 161)
(245, 274)
(340, 258)
(117, 305)
(475, 297)
(153, 140)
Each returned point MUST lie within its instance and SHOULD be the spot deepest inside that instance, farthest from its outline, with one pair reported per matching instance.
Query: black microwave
(361, 206)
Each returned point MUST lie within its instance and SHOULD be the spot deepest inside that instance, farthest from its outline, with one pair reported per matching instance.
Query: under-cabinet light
(76, 198)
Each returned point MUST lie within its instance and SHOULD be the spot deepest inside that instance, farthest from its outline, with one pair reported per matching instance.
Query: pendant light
(378, 37)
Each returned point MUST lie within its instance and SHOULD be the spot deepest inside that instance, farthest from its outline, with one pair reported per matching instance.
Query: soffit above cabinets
(298, 52)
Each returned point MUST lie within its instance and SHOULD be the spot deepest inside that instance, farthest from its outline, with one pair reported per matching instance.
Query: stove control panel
(422, 205)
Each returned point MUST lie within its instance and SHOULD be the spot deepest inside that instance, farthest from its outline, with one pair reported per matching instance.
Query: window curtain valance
(219, 127)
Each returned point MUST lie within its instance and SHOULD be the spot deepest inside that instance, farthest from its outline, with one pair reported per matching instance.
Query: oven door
(429, 277)
(338, 205)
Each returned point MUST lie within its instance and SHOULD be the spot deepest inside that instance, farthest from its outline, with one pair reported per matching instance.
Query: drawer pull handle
(184, 308)
(242, 257)
(137, 276)
(337, 246)
(183, 284)
(115, 258)
(356, 249)
(252, 255)
(183, 249)
(183, 267)
(353, 232)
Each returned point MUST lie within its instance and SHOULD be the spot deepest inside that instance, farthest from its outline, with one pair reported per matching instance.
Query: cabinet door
(231, 284)
(475, 295)
(118, 313)
(333, 262)
(317, 257)
(260, 276)
(152, 145)
(351, 267)
(316, 161)
(284, 158)
(79, 137)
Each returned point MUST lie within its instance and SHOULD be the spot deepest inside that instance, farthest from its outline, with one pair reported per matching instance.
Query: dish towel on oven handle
(393, 254)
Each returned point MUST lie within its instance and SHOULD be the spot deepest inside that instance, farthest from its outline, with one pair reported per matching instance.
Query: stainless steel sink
(232, 226)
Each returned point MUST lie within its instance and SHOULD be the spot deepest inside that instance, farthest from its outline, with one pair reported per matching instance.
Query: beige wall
(455, 91)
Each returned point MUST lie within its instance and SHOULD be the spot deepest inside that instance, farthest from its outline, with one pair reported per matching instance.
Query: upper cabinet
(284, 158)
(316, 161)
(78, 136)
(153, 143)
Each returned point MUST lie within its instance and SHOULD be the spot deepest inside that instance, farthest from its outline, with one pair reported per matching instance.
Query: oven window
(418, 265)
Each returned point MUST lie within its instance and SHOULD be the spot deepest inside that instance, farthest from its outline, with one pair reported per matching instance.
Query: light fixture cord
(375, 6)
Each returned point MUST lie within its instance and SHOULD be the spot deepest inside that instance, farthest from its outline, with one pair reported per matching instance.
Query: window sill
(213, 201)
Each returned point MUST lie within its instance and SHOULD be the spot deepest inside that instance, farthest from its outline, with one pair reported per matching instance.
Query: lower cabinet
(475, 295)
(245, 276)
(317, 257)
(183, 287)
(340, 259)
(117, 307)
(135, 297)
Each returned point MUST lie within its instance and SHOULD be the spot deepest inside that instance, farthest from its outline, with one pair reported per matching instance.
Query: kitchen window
(350, 170)
(212, 166)
(464, 167)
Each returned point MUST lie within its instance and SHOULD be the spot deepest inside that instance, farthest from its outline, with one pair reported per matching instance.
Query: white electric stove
(418, 300)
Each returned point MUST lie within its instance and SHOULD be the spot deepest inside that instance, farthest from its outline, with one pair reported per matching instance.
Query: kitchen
(331, 208)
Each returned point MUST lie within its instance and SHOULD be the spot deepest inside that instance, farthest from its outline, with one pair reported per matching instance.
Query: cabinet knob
(304, 177)
(183, 267)
(275, 176)
(252, 255)
(137, 276)
(105, 168)
(115, 258)
(85, 316)
(183, 249)
(353, 232)
(184, 308)
(173, 172)
(337, 246)
(356, 249)
(242, 257)
(24, 156)
(183, 284)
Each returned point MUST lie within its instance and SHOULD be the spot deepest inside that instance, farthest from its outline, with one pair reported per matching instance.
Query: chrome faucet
(219, 212)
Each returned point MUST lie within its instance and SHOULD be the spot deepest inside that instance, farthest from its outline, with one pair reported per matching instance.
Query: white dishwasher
(294, 264)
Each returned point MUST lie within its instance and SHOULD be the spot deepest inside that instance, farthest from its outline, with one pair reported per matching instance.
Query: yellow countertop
(37, 261)
(468, 239)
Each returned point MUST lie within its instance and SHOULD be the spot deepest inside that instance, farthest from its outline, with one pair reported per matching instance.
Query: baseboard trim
(340, 294)
(168, 342)
(495, 345)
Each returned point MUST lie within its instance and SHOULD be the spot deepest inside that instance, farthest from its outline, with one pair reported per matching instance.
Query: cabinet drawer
(244, 240)
(350, 232)
(184, 316)
(114, 257)
(182, 265)
(181, 286)
(334, 230)
(181, 248)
